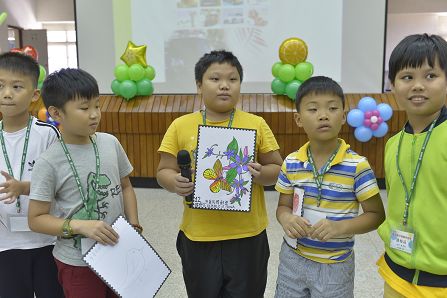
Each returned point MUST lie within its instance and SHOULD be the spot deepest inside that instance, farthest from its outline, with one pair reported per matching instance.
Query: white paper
(298, 201)
(313, 216)
(223, 181)
(131, 267)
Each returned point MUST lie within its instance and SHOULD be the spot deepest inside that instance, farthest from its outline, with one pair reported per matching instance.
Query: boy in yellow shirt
(223, 253)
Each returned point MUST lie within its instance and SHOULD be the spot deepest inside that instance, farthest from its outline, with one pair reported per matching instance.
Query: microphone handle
(186, 172)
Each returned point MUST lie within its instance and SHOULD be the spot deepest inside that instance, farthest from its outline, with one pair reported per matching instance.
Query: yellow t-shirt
(212, 225)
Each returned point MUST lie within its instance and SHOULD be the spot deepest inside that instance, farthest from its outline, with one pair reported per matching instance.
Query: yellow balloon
(134, 54)
(293, 50)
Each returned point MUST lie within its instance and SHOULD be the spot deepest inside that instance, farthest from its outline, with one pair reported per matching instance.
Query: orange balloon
(42, 114)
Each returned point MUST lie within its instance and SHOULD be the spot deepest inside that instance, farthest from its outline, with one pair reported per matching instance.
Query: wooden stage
(141, 123)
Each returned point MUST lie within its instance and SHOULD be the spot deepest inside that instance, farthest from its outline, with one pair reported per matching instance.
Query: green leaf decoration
(231, 174)
(233, 146)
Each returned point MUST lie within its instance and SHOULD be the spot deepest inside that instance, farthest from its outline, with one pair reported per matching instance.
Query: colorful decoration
(135, 77)
(44, 116)
(293, 69)
(369, 119)
(3, 17)
(134, 54)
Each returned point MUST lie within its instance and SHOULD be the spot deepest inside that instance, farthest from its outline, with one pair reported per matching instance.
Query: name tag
(15, 222)
(402, 241)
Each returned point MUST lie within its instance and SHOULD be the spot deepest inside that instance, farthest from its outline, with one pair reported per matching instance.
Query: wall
(55, 10)
(21, 13)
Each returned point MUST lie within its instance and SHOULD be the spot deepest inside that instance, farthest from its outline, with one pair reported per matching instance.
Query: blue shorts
(300, 277)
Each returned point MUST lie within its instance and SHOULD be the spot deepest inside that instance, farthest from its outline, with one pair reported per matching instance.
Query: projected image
(187, 19)
(209, 17)
(233, 2)
(187, 3)
(208, 3)
(233, 16)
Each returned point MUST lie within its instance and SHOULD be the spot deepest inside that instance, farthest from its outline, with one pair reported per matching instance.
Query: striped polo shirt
(348, 181)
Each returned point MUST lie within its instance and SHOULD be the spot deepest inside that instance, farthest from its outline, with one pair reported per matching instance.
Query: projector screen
(345, 38)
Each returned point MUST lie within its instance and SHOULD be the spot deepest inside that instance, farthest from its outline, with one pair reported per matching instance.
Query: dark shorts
(79, 281)
(228, 268)
(25, 272)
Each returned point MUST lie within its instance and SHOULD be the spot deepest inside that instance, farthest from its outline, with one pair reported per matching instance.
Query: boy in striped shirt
(334, 180)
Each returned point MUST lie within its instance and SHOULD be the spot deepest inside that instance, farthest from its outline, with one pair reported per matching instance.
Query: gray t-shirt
(53, 179)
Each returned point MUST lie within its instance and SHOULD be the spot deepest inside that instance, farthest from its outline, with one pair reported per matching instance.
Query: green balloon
(122, 72)
(149, 72)
(291, 89)
(275, 69)
(286, 73)
(304, 70)
(116, 87)
(128, 89)
(136, 72)
(278, 86)
(145, 87)
(42, 73)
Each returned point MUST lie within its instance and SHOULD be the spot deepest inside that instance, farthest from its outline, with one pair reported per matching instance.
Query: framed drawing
(223, 181)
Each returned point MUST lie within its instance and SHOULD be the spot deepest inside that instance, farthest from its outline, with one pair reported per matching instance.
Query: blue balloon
(381, 130)
(385, 111)
(355, 117)
(367, 104)
(363, 134)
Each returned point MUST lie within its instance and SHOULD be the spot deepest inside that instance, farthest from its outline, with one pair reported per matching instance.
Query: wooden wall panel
(140, 124)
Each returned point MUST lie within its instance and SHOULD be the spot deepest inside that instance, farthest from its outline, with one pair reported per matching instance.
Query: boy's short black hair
(414, 50)
(319, 85)
(68, 84)
(21, 64)
(220, 57)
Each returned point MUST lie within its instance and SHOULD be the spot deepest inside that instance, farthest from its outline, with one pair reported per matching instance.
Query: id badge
(15, 222)
(402, 239)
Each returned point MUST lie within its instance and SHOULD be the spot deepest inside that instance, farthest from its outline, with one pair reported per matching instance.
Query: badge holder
(402, 238)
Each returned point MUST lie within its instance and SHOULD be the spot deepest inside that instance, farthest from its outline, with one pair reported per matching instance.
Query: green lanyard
(409, 193)
(22, 163)
(78, 179)
(230, 123)
(318, 177)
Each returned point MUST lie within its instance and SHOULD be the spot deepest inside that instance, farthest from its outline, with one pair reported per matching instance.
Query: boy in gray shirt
(85, 177)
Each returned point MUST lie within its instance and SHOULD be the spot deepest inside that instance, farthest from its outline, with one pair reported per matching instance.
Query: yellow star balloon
(134, 54)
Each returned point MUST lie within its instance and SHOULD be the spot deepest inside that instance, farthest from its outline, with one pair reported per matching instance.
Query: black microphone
(184, 163)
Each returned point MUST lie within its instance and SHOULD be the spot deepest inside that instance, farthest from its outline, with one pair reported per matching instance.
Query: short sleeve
(267, 139)
(43, 181)
(124, 165)
(169, 144)
(283, 184)
(365, 183)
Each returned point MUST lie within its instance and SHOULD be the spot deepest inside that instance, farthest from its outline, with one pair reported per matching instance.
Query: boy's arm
(130, 201)
(266, 170)
(13, 188)
(373, 215)
(168, 176)
(294, 226)
(41, 221)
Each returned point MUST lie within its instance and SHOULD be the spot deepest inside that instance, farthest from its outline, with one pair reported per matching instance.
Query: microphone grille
(183, 157)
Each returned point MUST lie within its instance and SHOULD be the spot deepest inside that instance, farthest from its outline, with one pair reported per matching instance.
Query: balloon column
(135, 76)
(369, 119)
(293, 68)
(3, 17)
(32, 52)
(44, 116)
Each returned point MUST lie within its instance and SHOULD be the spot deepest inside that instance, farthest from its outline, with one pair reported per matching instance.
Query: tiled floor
(160, 214)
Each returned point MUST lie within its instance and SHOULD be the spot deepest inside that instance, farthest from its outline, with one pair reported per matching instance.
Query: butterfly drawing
(215, 174)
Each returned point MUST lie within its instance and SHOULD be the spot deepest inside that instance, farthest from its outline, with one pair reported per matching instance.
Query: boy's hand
(11, 189)
(96, 230)
(295, 226)
(255, 169)
(183, 186)
(325, 229)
